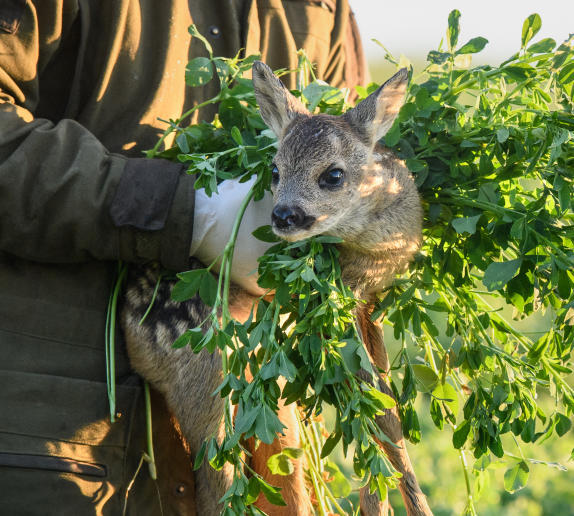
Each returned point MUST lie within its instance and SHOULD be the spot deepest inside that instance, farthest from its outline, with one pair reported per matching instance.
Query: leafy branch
(492, 151)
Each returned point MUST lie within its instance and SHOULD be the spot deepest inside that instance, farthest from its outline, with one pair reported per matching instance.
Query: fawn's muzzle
(290, 218)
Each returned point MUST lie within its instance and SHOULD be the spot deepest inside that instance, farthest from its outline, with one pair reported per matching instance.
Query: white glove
(212, 224)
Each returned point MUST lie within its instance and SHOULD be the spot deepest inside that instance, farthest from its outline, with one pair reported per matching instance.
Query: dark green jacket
(83, 84)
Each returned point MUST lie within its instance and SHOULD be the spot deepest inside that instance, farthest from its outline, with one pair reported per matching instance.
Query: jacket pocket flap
(64, 465)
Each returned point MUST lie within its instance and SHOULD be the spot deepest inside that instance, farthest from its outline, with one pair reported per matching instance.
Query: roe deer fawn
(328, 178)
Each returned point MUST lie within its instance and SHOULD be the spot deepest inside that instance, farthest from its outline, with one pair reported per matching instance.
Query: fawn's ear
(374, 116)
(277, 105)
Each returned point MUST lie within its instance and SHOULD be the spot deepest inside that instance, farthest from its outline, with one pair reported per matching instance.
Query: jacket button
(180, 489)
(214, 31)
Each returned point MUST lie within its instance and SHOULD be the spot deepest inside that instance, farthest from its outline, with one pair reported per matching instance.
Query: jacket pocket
(56, 437)
(312, 24)
(10, 15)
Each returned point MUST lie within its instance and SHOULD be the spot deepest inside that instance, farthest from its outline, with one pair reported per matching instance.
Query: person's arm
(63, 196)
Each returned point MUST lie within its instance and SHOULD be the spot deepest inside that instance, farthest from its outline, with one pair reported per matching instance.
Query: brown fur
(375, 210)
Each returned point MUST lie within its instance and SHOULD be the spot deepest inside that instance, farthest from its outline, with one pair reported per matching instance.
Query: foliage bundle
(492, 151)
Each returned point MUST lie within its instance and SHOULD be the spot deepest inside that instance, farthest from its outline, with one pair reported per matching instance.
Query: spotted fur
(188, 380)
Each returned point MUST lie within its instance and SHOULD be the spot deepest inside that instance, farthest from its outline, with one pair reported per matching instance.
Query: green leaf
(286, 368)
(502, 134)
(308, 275)
(330, 444)
(190, 338)
(566, 74)
(222, 68)
(188, 285)
(270, 369)
(236, 135)
(328, 239)
(473, 46)
(465, 224)
(199, 71)
(437, 57)
(517, 229)
(319, 91)
(280, 464)
(499, 274)
(199, 456)
(446, 393)
(393, 135)
(338, 484)
(436, 414)
(453, 29)
(495, 446)
(244, 420)
(516, 478)
(208, 289)
(253, 490)
(293, 453)
(461, 434)
(265, 234)
(426, 377)
(181, 141)
(273, 494)
(563, 424)
(267, 425)
(542, 46)
(416, 165)
(530, 28)
(482, 463)
(384, 401)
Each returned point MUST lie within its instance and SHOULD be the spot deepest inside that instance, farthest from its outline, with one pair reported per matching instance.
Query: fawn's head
(327, 174)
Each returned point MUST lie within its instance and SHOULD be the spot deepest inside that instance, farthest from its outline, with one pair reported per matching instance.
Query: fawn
(330, 178)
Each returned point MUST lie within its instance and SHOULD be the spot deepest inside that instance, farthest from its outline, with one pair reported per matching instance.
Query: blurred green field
(549, 492)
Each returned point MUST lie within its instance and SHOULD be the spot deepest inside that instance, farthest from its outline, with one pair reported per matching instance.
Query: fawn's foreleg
(293, 487)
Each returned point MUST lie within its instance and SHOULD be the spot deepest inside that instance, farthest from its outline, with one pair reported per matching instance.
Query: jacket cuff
(153, 209)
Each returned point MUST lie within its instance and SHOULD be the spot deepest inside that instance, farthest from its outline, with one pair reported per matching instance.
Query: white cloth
(212, 224)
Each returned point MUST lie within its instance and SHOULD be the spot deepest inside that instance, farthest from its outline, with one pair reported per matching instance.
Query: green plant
(492, 152)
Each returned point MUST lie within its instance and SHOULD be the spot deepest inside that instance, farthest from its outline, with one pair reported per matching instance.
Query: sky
(413, 27)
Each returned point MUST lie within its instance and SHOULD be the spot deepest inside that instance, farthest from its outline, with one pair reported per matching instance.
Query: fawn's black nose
(287, 217)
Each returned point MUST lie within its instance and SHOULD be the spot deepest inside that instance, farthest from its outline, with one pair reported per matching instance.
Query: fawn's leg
(390, 423)
(293, 487)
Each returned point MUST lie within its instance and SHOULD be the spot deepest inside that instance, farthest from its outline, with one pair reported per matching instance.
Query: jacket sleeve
(65, 198)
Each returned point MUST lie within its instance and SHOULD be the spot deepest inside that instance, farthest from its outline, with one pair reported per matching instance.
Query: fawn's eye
(331, 178)
(274, 174)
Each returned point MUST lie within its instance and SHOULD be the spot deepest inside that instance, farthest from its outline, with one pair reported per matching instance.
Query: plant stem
(172, 127)
(230, 247)
(154, 295)
(149, 431)
(466, 479)
(111, 340)
(315, 464)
